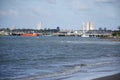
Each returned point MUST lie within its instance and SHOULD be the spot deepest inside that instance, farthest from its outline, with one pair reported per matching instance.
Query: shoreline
(111, 77)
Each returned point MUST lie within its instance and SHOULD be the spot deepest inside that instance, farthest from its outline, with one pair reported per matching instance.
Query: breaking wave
(68, 70)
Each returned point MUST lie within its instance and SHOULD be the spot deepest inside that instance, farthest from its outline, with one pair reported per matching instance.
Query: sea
(57, 58)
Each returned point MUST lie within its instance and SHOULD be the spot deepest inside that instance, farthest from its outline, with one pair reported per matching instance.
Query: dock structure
(90, 33)
(68, 33)
(98, 33)
(79, 33)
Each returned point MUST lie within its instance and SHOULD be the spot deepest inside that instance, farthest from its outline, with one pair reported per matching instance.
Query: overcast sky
(67, 14)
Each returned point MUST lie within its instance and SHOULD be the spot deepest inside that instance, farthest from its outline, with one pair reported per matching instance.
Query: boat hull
(30, 34)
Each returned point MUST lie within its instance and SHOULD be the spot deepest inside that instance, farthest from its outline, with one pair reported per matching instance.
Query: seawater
(50, 58)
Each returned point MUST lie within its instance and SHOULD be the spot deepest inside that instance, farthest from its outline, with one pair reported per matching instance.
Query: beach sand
(112, 77)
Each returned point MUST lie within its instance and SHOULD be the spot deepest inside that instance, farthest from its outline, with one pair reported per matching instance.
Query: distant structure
(39, 27)
(90, 26)
(100, 29)
(12, 28)
(87, 27)
(58, 28)
(83, 27)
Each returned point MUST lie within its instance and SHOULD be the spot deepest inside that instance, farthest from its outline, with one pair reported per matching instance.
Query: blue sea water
(56, 58)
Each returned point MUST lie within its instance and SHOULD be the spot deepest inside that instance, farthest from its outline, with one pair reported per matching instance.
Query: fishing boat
(30, 34)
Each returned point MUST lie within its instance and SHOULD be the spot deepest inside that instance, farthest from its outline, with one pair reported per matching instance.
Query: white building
(12, 28)
(83, 27)
(90, 26)
(39, 27)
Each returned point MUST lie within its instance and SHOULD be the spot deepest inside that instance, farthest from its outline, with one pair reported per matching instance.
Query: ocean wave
(69, 69)
(91, 42)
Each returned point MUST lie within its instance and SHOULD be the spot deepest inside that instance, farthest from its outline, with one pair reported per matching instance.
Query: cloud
(51, 1)
(77, 5)
(109, 3)
(104, 1)
(9, 12)
(117, 3)
(3, 13)
(40, 12)
(114, 2)
(27, 9)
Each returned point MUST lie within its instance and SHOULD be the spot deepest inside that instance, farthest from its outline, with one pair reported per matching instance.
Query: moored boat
(84, 35)
(30, 34)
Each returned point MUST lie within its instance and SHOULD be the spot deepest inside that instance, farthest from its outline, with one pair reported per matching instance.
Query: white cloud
(8, 12)
(14, 12)
(112, 16)
(48, 1)
(109, 3)
(113, 2)
(3, 13)
(104, 1)
(77, 5)
(43, 12)
(52, 1)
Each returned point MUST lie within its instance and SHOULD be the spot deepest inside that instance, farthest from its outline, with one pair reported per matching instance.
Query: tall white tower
(39, 27)
(13, 28)
(83, 27)
(90, 26)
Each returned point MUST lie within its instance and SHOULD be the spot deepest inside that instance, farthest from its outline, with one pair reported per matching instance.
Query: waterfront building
(12, 28)
(39, 27)
(83, 27)
(90, 26)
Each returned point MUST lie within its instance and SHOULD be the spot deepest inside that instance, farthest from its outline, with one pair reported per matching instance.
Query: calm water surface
(48, 58)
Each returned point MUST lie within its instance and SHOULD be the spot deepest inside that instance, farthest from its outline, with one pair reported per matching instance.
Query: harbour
(59, 40)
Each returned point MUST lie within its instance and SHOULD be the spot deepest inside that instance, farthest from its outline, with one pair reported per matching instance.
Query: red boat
(30, 34)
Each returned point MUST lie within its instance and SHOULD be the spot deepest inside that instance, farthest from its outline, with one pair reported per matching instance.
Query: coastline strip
(111, 77)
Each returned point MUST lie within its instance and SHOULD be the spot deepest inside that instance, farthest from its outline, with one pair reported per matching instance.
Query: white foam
(68, 71)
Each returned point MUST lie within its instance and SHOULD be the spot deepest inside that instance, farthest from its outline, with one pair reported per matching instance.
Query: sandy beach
(112, 77)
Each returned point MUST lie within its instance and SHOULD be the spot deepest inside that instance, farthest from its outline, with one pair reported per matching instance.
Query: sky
(66, 14)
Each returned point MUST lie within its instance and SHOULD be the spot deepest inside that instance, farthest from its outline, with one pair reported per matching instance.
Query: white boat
(84, 35)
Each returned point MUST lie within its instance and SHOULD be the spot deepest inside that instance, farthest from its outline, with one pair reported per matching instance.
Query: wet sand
(112, 77)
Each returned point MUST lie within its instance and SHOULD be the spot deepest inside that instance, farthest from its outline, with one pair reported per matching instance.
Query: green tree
(114, 34)
(119, 28)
